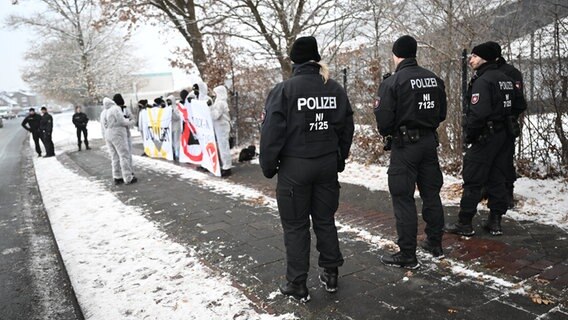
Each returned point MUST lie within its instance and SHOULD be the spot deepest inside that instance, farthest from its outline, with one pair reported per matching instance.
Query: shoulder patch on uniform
(377, 102)
(475, 98)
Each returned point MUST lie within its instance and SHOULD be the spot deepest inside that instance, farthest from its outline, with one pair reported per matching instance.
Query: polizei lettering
(423, 83)
(317, 103)
(506, 85)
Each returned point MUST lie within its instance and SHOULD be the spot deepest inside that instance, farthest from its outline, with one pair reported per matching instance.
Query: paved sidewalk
(244, 238)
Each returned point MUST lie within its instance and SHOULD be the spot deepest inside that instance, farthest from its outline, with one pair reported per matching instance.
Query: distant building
(24, 99)
(149, 86)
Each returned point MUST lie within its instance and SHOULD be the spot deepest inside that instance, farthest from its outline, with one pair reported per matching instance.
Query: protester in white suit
(115, 134)
(222, 126)
(176, 126)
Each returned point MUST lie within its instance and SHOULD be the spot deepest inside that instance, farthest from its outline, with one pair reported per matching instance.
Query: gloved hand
(269, 173)
(209, 102)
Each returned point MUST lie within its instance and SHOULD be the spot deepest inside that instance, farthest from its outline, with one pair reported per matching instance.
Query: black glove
(340, 162)
(209, 102)
(269, 173)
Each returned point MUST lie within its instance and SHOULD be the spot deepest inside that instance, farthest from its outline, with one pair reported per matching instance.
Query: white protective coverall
(222, 126)
(176, 126)
(116, 137)
(128, 115)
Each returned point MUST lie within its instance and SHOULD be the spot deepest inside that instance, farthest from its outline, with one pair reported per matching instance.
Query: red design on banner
(188, 130)
(212, 153)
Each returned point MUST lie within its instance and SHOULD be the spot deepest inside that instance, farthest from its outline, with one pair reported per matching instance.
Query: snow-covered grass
(542, 201)
(121, 266)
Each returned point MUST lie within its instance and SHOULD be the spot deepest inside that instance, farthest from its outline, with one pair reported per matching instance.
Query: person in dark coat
(410, 106)
(31, 124)
(306, 136)
(80, 121)
(46, 129)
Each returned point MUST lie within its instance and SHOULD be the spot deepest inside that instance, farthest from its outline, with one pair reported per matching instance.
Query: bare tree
(193, 20)
(74, 53)
(272, 26)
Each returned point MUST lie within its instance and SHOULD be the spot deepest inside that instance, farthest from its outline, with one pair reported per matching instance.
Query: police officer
(513, 121)
(46, 129)
(31, 124)
(80, 121)
(410, 106)
(491, 95)
(306, 136)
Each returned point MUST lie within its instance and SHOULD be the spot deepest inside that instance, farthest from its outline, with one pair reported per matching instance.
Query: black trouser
(485, 165)
(308, 187)
(36, 136)
(84, 131)
(411, 165)
(511, 174)
(47, 143)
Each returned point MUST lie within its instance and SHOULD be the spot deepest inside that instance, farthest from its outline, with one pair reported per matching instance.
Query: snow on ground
(542, 201)
(121, 266)
(253, 196)
(65, 135)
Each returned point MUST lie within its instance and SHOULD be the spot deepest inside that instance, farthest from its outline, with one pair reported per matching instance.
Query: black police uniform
(306, 135)
(46, 128)
(31, 123)
(80, 121)
(492, 96)
(518, 108)
(409, 107)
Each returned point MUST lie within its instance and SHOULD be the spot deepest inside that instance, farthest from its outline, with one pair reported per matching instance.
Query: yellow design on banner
(156, 125)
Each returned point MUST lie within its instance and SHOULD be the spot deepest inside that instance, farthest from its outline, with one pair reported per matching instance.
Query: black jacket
(32, 122)
(413, 97)
(46, 123)
(305, 118)
(80, 120)
(521, 103)
(491, 95)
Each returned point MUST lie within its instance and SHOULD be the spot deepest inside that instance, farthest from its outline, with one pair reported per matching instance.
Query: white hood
(202, 90)
(107, 103)
(220, 92)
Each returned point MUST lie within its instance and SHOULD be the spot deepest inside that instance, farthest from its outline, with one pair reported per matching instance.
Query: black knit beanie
(304, 49)
(118, 99)
(496, 47)
(405, 47)
(486, 51)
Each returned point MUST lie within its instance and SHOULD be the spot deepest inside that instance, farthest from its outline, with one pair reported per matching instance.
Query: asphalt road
(34, 283)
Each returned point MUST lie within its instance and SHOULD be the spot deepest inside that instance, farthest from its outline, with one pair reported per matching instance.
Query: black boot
(87, 145)
(402, 260)
(493, 224)
(329, 279)
(118, 181)
(460, 228)
(298, 291)
(226, 173)
(79, 144)
(435, 249)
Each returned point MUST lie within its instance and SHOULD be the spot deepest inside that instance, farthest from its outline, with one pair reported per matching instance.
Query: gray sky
(16, 42)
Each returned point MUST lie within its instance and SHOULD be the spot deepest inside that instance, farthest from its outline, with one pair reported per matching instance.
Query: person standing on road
(46, 129)
(306, 136)
(31, 124)
(116, 126)
(80, 121)
(513, 121)
(222, 127)
(410, 106)
(491, 95)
